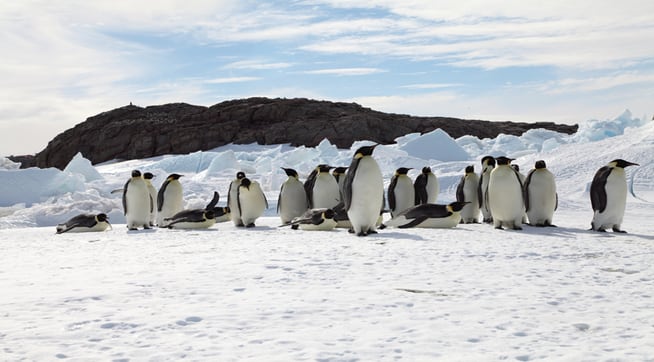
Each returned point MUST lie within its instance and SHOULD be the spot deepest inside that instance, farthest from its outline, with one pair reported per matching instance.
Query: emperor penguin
(232, 199)
(487, 165)
(364, 192)
(315, 219)
(292, 201)
(466, 191)
(221, 213)
(608, 196)
(148, 176)
(169, 199)
(505, 195)
(339, 175)
(136, 202)
(192, 219)
(321, 188)
(540, 195)
(251, 201)
(428, 216)
(426, 187)
(401, 194)
(83, 223)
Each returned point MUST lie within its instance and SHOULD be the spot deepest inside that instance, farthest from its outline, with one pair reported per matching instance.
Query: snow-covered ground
(271, 293)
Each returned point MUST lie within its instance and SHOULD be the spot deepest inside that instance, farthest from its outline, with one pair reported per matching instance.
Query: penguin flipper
(347, 186)
(279, 199)
(480, 199)
(415, 222)
(125, 197)
(391, 193)
(598, 190)
(525, 189)
(160, 195)
(214, 201)
(308, 186)
(420, 187)
(459, 190)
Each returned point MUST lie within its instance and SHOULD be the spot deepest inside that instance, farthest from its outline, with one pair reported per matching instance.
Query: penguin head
(136, 173)
(540, 164)
(240, 175)
(402, 170)
(148, 176)
(323, 168)
(245, 182)
(426, 170)
(290, 172)
(456, 206)
(328, 214)
(622, 163)
(209, 214)
(174, 176)
(101, 217)
(339, 171)
(488, 161)
(470, 169)
(365, 151)
(516, 168)
(503, 160)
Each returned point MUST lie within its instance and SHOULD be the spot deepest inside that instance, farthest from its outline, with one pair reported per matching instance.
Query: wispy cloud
(345, 71)
(431, 85)
(230, 80)
(257, 65)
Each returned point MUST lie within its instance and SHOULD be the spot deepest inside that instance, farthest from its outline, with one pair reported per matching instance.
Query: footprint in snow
(188, 320)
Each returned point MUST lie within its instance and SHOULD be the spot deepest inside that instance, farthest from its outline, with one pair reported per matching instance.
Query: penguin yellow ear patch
(358, 155)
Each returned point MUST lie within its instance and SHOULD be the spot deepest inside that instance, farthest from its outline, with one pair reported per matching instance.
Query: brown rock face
(133, 132)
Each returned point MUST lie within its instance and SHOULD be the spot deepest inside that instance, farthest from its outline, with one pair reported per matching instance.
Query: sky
(561, 61)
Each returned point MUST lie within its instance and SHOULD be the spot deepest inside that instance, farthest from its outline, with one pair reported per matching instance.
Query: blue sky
(562, 61)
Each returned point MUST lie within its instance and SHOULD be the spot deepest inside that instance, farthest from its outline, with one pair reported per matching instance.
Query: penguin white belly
(470, 212)
(173, 202)
(404, 195)
(505, 198)
(253, 204)
(367, 196)
(153, 198)
(233, 203)
(542, 198)
(100, 226)
(194, 225)
(325, 192)
(326, 225)
(138, 204)
(293, 200)
(616, 201)
(433, 188)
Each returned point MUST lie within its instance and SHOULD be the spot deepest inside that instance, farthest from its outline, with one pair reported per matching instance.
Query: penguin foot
(351, 231)
(146, 227)
(250, 225)
(499, 228)
(372, 232)
(295, 227)
(382, 227)
(617, 230)
(517, 228)
(362, 234)
(131, 229)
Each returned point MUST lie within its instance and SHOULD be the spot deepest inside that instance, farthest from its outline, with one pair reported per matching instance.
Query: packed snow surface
(272, 293)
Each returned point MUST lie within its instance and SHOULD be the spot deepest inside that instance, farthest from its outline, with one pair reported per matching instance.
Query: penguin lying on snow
(429, 216)
(608, 195)
(315, 219)
(191, 219)
(83, 223)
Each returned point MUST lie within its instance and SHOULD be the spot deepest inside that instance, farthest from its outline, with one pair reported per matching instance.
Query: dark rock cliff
(133, 132)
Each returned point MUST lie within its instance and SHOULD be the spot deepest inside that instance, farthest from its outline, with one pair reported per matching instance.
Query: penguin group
(353, 197)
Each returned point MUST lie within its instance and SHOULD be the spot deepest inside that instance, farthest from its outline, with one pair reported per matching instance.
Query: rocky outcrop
(133, 132)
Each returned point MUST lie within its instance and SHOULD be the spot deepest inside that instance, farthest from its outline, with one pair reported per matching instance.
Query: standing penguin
(136, 202)
(401, 194)
(169, 199)
(426, 187)
(339, 175)
(251, 201)
(466, 191)
(148, 176)
(540, 195)
(487, 165)
(505, 195)
(321, 188)
(83, 223)
(292, 201)
(608, 196)
(232, 198)
(363, 192)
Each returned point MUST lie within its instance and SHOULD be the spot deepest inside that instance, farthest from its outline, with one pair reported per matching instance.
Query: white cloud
(257, 65)
(230, 80)
(345, 71)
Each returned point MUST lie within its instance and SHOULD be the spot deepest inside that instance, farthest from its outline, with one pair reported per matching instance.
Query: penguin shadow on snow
(394, 235)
